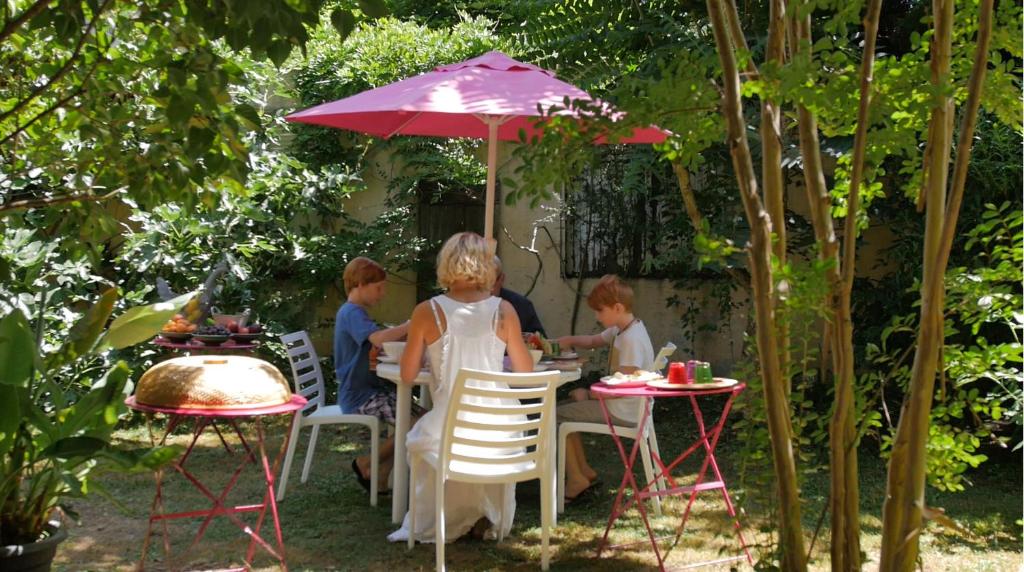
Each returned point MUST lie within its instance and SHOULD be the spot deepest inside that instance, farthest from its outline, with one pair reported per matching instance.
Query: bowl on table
(394, 350)
(176, 336)
(245, 338)
(535, 355)
(211, 339)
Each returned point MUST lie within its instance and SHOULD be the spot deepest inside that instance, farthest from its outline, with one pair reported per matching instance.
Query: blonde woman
(465, 327)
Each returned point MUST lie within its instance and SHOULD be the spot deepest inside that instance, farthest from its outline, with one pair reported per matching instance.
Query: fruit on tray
(214, 330)
(180, 325)
(250, 329)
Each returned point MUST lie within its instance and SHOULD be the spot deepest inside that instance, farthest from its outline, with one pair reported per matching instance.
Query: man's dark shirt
(528, 319)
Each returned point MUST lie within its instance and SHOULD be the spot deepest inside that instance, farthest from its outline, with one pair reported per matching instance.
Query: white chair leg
(289, 455)
(439, 524)
(374, 462)
(560, 481)
(547, 517)
(501, 513)
(652, 439)
(309, 453)
(645, 454)
(412, 502)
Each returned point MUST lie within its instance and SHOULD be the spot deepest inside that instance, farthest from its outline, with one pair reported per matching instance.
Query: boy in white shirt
(631, 350)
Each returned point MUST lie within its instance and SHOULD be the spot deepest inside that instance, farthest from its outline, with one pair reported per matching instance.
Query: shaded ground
(329, 525)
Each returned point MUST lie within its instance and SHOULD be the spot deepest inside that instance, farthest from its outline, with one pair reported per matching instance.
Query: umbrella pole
(492, 167)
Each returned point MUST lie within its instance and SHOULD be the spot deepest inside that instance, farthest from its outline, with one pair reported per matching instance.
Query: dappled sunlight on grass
(328, 523)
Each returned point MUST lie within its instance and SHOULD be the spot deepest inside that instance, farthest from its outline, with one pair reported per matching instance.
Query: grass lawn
(329, 525)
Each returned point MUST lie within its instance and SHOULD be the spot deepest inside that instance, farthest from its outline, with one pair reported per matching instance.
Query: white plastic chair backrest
(661, 360)
(487, 430)
(307, 377)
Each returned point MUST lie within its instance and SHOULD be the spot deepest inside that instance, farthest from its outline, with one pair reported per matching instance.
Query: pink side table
(707, 441)
(204, 419)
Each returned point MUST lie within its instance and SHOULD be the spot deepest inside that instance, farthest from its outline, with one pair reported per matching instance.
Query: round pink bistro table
(707, 441)
(204, 419)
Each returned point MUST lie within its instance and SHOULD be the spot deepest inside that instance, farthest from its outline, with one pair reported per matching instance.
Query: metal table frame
(707, 441)
(207, 419)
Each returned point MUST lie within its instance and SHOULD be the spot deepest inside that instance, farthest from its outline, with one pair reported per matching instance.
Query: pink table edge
(294, 404)
(645, 391)
(164, 343)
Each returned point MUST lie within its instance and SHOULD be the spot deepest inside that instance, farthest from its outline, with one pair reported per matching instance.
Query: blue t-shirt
(356, 383)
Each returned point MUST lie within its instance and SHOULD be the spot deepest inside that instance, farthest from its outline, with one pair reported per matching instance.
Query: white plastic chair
(478, 417)
(308, 380)
(647, 445)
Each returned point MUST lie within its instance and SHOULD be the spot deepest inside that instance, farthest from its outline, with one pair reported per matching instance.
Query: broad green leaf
(84, 334)
(71, 447)
(97, 411)
(373, 8)
(10, 416)
(142, 322)
(343, 21)
(18, 354)
(143, 460)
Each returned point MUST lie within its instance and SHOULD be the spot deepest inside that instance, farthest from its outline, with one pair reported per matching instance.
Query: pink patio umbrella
(491, 96)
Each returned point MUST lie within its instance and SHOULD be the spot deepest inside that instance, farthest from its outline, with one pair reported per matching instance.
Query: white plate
(612, 381)
(565, 356)
(623, 383)
(384, 358)
(719, 383)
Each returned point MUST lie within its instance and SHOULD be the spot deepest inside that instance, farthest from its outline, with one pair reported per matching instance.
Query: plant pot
(33, 556)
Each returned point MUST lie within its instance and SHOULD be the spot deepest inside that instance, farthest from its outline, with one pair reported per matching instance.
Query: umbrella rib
(398, 129)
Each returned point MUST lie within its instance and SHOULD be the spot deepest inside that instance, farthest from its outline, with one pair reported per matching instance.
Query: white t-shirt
(631, 348)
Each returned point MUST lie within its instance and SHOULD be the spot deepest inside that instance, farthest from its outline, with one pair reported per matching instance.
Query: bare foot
(364, 466)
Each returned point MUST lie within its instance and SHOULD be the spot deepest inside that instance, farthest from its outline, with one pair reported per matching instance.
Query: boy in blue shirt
(359, 389)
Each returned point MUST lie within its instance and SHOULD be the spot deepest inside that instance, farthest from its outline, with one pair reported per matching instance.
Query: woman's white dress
(469, 340)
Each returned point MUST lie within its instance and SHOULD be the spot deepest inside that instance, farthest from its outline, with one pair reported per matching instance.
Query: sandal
(583, 495)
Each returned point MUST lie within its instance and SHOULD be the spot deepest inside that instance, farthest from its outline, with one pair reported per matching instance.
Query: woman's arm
(510, 332)
(418, 326)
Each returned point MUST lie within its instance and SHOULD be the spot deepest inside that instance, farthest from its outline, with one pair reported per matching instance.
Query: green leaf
(97, 411)
(249, 114)
(344, 22)
(143, 460)
(86, 331)
(10, 416)
(140, 323)
(72, 447)
(18, 353)
(373, 8)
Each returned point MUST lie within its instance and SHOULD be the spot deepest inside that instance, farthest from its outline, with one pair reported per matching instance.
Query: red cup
(677, 373)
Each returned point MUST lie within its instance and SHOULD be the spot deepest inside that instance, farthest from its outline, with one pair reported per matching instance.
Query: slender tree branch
(31, 12)
(68, 65)
(48, 202)
(739, 38)
(56, 105)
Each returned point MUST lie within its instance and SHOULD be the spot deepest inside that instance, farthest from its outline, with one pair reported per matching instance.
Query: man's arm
(389, 334)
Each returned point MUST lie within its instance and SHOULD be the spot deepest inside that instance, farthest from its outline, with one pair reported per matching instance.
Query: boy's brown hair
(610, 290)
(362, 271)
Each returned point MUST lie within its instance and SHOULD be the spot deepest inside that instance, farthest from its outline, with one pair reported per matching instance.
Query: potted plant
(57, 413)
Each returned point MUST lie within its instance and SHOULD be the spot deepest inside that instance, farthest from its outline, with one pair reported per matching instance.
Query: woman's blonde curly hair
(466, 256)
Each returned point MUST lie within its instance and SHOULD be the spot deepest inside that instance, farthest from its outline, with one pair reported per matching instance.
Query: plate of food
(565, 356)
(716, 383)
(638, 378)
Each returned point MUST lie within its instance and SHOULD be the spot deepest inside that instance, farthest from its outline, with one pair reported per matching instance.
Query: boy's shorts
(383, 406)
(588, 411)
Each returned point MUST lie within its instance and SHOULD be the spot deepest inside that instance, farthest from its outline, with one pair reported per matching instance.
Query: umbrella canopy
(491, 96)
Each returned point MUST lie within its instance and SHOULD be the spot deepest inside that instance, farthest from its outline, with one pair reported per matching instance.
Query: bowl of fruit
(244, 333)
(212, 335)
(178, 329)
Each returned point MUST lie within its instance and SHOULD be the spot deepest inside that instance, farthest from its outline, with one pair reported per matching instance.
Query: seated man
(359, 389)
(528, 319)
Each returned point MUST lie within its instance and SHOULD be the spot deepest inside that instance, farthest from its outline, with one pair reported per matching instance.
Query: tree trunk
(902, 513)
(759, 252)
(771, 173)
